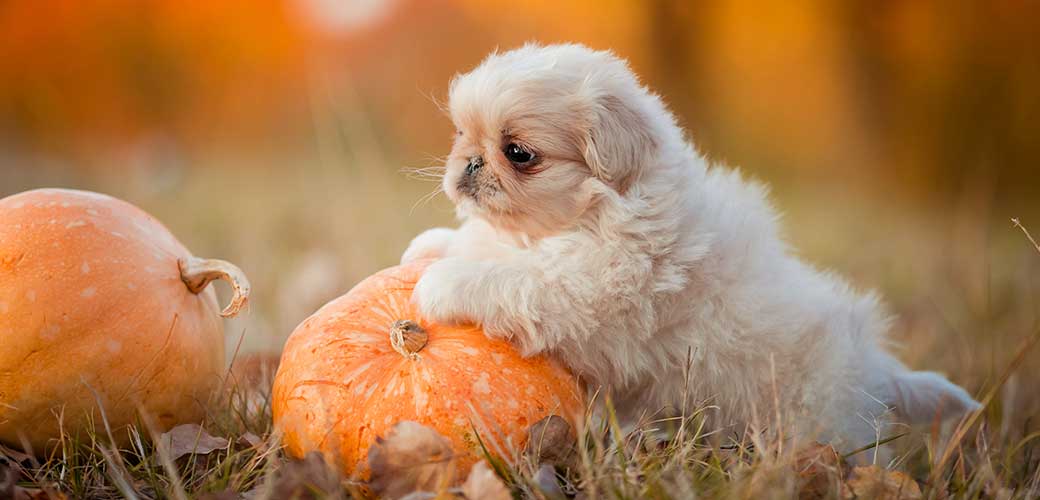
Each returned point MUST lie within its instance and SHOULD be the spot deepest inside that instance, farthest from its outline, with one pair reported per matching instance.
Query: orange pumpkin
(100, 304)
(369, 359)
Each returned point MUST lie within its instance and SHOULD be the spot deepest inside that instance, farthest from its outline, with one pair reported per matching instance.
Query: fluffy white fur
(622, 253)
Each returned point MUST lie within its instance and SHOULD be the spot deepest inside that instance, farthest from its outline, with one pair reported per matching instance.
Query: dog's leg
(568, 289)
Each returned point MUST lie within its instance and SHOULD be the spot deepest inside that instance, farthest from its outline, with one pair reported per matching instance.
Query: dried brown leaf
(249, 440)
(190, 439)
(9, 489)
(8, 481)
(820, 470)
(551, 440)
(548, 485)
(412, 457)
(38, 494)
(305, 479)
(875, 482)
(13, 456)
(483, 483)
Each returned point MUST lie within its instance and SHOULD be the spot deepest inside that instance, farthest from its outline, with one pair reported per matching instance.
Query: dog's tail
(921, 397)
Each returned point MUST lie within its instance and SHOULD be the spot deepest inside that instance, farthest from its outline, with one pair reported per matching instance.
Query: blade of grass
(873, 445)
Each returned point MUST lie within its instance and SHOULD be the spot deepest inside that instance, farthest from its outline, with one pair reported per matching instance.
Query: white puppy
(594, 232)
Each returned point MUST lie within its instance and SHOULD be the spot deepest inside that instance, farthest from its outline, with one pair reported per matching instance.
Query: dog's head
(539, 129)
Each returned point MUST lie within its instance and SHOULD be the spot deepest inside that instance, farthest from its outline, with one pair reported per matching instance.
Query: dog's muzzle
(475, 164)
(468, 183)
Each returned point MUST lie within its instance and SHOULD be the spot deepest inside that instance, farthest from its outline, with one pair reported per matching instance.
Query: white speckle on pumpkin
(75, 223)
(18, 204)
(65, 204)
(91, 211)
(85, 268)
(421, 401)
(472, 351)
(113, 346)
(118, 235)
(50, 332)
(88, 292)
(529, 391)
(513, 404)
(30, 295)
(482, 385)
(52, 221)
(498, 358)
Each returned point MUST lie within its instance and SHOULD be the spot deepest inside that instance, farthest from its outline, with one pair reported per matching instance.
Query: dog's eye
(517, 154)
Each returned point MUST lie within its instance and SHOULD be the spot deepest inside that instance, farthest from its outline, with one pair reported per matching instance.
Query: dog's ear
(618, 142)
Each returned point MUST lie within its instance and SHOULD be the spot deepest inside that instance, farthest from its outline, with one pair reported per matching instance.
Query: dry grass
(963, 281)
(977, 459)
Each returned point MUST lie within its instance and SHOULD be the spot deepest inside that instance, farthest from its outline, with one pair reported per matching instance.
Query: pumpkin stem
(407, 337)
(197, 273)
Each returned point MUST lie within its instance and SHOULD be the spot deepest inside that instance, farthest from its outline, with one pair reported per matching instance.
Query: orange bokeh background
(899, 137)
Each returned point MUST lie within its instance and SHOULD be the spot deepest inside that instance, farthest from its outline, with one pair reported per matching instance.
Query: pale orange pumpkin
(368, 360)
(101, 308)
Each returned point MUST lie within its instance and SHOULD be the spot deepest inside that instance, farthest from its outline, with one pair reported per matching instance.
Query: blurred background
(899, 137)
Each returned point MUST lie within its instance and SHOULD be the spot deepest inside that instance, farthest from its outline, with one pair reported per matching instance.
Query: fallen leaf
(12, 456)
(483, 483)
(820, 470)
(38, 494)
(310, 478)
(412, 457)
(551, 440)
(546, 481)
(877, 483)
(190, 439)
(9, 489)
(8, 481)
(249, 440)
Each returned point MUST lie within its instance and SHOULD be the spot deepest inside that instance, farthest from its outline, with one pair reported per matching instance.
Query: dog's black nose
(474, 164)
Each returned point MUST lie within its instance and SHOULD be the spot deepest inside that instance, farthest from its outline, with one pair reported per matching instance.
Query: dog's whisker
(425, 199)
(425, 173)
(437, 160)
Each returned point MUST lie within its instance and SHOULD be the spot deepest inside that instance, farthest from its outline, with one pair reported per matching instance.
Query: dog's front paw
(443, 292)
(430, 244)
